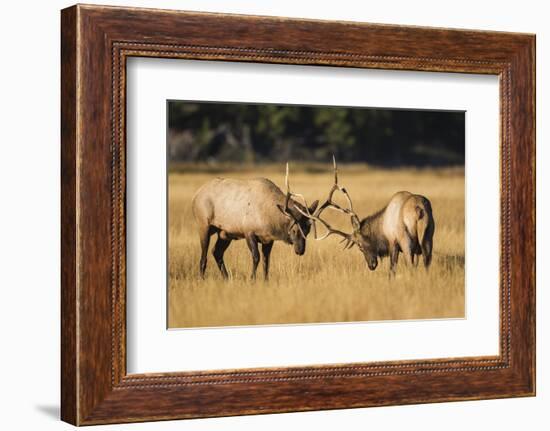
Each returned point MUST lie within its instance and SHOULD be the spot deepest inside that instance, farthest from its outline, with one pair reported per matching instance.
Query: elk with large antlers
(405, 224)
(256, 210)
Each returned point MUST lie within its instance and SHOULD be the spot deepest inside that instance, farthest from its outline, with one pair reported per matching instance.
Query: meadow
(327, 284)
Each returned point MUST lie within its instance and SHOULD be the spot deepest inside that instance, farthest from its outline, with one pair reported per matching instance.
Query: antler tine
(289, 193)
(306, 213)
(287, 200)
(329, 203)
(335, 170)
(330, 230)
(286, 179)
(287, 184)
(348, 243)
(336, 187)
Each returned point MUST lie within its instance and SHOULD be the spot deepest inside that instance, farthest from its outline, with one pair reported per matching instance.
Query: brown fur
(405, 225)
(250, 209)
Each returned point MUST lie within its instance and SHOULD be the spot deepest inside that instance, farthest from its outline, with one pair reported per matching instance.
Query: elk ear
(313, 207)
(355, 223)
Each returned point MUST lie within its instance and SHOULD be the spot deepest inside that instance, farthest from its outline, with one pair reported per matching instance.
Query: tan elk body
(255, 210)
(405, 224)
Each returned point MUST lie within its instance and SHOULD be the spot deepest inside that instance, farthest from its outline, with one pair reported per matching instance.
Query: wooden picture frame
(95, 43)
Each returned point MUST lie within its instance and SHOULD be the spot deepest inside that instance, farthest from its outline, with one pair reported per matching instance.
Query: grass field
(326, 284)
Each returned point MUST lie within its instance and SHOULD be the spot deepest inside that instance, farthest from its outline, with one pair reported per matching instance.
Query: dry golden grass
(326, 284)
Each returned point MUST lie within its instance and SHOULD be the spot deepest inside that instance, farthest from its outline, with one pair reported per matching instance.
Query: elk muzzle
(299, 246)
(371, 259)
(372, 263)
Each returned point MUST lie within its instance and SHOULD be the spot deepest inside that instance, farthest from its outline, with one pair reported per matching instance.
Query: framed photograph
(264, 214)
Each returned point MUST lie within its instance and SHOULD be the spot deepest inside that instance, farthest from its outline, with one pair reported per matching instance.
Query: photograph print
(291, 214)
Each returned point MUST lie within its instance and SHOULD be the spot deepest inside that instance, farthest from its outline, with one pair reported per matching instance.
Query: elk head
(349, 239)
(299, 215)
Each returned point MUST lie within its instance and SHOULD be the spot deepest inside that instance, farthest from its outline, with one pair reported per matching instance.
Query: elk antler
(330, 230)
(286, 209)
(329, 203)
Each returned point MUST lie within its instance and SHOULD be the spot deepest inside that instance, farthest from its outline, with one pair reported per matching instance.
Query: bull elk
(256, 210)
(405, 224)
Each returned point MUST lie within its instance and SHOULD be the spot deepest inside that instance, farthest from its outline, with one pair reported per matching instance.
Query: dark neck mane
(371, 223)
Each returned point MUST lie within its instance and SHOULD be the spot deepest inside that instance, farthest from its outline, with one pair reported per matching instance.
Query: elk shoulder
(237, 207)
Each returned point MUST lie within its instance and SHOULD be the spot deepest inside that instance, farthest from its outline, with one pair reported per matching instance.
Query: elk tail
(425, 228)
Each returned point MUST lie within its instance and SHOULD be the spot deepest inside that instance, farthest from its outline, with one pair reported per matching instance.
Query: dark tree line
(231, 132)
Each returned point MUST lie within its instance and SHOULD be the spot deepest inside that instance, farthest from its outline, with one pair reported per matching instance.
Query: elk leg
(204, 233)
(266, 252)
(416, 255)
(252, 243)
(408, 255)
(394, 257)
(427, 252)
(408, 251)
(219, 250)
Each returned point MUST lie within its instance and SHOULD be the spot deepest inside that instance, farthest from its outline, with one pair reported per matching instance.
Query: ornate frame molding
(96, 41)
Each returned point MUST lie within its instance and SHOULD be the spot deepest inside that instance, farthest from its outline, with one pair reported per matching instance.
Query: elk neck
(371, 229)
